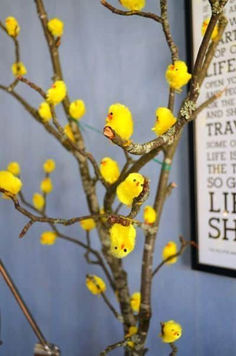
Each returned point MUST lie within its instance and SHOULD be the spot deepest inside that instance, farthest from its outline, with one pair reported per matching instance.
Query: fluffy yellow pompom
(68, 132)
(12, 26)
(214, 32)
(133, 5)
(38, 201)
(56, 27)
(170, 249)
(49, 166)
(10, 183)
(95, 284)
(135, 301)
(48, 238)
(57, 92)
(149, 215)
(46, 185)
(164, 121)
(77, 109)
(18, 68)
(177, 75)
(45, 111)
(87, 224)
(130, 188)
(170, 331)
(122, 240)
(120, 119)
(14, 168)
(132, 331)
(109, 170)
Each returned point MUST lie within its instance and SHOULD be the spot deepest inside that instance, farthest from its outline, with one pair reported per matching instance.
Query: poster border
(196, 265)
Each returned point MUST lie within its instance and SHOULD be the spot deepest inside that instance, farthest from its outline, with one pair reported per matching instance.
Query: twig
(116, 345)
(174, 349)
(116, 11)
(183, 246)
(166, 29)
(32, 85)
(106, 300)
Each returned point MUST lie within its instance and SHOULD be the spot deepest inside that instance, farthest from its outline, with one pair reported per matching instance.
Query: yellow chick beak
(103, 163)
(172, 67)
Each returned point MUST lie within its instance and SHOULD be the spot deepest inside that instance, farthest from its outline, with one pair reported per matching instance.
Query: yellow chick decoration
(204, 28)
(132, 331)
(18, 68)
(77, 109)
(87, 224)
(164, 121)
(135, 301)
(56, 27)
(57, 92)
(170, 331)
(133, 5)
(48, 238)
(49, 166)
(46, 185)
(38, 201)
(149, 215)
(68, 132)
(170, 249)
(45, 111)
(130, 188)
(109, 170)
(10, 183)
(122, 240)
(14, 168)
(177, 75)
(120, 119)
(95, 284)
(12, 26)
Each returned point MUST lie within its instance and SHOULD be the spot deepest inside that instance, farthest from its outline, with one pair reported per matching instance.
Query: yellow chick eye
(115, 247)
(125, 250)
(134, 180)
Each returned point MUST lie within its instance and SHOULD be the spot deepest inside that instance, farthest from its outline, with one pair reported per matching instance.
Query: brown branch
(174, 349)
(116, 11)
(166, 29)
(32, 86)
(16, 43)
(118, 344)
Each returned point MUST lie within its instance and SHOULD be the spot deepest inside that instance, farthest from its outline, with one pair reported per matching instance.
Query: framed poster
(213, 150)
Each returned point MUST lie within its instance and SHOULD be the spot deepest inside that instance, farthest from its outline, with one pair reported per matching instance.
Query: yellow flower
(56, 27)
(48, 238)
(45, 111)
(135, 301)
(95, 284)
(87, 224)
(68, 132)
(77, 109)
(170, 249)
(170, 331)
(132, 331)
(49, 166)
(57, 92)
(18, 68)
(46, 185)
(204, 28)
(9, 182)
(14, 168)
(12, 26)
(38, 201)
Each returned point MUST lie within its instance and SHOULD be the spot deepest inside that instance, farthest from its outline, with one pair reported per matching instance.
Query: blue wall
(106, 59)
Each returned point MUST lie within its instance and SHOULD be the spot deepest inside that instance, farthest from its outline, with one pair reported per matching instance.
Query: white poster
(215, 148)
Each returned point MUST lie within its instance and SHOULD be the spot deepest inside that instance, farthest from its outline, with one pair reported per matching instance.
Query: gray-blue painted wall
(106, 58)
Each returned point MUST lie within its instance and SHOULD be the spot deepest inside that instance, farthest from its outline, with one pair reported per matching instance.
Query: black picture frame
(196, 265)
